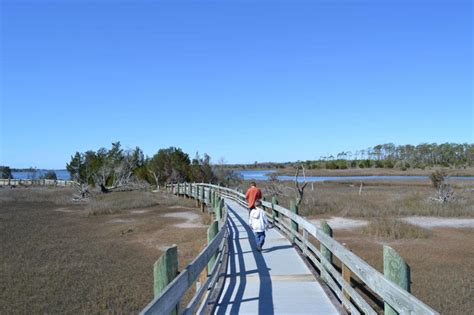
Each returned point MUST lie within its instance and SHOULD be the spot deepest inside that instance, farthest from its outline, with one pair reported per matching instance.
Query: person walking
(258, 222)
(252, 195)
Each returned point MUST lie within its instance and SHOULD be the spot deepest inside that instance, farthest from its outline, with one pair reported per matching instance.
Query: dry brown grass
(117, 202)
(57, 260)
(394, 229)
(395, 198)
(441, 265)
(441, 259)
(58, 196)
(468, 171)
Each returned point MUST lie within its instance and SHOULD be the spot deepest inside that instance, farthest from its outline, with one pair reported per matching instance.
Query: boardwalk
(277, 280)
(274, 281)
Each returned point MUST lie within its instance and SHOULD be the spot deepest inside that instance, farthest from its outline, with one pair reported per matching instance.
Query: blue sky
(244, 80)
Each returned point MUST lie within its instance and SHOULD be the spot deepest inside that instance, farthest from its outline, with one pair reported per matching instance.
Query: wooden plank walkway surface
(274, 281)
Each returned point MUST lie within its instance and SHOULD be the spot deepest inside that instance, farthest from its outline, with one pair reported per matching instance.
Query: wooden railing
(36, 182)
(322, 251)
(214, 256)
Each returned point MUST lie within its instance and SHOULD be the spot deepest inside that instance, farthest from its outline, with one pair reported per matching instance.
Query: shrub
(50, 175)
(437, 178)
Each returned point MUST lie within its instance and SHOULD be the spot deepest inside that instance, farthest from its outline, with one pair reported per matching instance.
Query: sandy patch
(139, 211)
(181, 207)
(340, 223)
(193, 220)
(64, 210)
(433, 222)
(122, 221)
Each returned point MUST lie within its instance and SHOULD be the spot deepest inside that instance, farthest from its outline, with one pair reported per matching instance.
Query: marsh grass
(58, 196)
(113, 203)
(66, 263)
(441, 265)
(393, 229)
(378, 199)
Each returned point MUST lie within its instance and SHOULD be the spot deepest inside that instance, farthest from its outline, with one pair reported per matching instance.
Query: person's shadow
(236, 256)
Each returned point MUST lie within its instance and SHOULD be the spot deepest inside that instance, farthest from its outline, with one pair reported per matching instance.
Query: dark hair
(253, 184)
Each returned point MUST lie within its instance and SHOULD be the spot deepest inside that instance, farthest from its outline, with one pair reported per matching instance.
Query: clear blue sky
(244, 80)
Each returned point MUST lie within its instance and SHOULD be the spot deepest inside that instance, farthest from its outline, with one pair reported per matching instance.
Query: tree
(169, 166)
(444, 191)
(225, 176)
(109, 169)
(6, 172)
(50, 175)
(300, 189)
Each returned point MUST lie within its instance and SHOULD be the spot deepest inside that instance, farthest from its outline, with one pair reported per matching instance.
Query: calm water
(263, 175)
(61, 174)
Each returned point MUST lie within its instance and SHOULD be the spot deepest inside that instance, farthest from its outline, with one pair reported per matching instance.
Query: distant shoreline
(467, 172)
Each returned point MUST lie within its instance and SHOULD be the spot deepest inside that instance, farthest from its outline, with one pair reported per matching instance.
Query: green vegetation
(388, 156)
(50, 175)
(403, 157)
(5, 172)
(115, 167)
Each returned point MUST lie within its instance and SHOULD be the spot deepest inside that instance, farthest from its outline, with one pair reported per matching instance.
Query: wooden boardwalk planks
(273, 281)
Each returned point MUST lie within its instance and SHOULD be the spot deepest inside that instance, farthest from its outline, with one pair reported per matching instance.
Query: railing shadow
(275, 248)
(265, 297)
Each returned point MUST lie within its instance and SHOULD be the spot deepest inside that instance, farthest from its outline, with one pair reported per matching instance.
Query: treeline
(402, 156)
(117, 167)
(386, 155)
(7, 173)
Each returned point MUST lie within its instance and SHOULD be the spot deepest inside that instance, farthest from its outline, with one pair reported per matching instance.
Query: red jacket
(253, 194)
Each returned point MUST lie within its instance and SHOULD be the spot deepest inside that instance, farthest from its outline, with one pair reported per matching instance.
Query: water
(61, 174)
(263, 175)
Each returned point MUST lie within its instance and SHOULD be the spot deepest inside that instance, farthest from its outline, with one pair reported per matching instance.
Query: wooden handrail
(174, 291)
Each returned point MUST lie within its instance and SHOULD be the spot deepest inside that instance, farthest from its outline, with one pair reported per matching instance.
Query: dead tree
(118, 173)
(300, 189)
(444, 191)
(82, 192)
(274, 187)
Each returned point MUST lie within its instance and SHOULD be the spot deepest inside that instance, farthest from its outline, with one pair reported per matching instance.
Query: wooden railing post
(217, 212)
(211, 233)
(275, 213)
(165, 270)
(396, 270)
(198, 196)
(346, 275)
(203, 203)
(325, 252)
(294, 225)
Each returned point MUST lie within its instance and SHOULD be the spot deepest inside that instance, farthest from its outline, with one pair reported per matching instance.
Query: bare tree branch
(300, 189)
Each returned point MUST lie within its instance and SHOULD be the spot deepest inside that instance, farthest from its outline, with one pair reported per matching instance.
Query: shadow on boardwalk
(230, 304)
